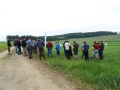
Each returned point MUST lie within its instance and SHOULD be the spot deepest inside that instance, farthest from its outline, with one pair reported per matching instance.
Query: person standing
(49, 46)
(81, 47)
(95, 50)
(19, 47)
(75, 49)
(85, 49)
(67, 49)
(35, 46)
(24, 46)
(29, 48)
(64, 47)
(15, 45)
(101, 49)
(58, 48)
(9, 45)
(40, 45)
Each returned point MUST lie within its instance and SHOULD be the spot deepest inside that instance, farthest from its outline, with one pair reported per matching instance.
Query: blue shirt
(57, 46)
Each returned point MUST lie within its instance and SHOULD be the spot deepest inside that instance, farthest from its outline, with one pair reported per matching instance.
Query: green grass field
(3, 46)
(103, 73)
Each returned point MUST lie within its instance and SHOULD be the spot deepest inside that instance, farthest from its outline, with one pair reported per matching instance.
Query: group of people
(98, 48)
(30, 46)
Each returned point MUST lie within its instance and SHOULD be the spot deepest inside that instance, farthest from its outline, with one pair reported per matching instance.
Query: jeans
(16, 49)
(75, 52)
(49, 52)
(24, 51)
(58, 52)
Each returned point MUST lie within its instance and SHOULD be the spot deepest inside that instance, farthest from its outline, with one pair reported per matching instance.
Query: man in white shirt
(67, 49)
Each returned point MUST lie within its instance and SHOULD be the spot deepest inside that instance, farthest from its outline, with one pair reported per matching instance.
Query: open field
(3, 46)
(102, 73)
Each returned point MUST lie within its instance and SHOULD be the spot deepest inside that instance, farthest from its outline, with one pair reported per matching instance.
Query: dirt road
(20, 73)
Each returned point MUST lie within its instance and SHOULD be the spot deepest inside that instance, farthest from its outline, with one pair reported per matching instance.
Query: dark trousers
(68, 54)
(19, 50)
(35, 49)
(41, 50)
(8, 49)
(30, 52)
(75, 52)
(101, 54)
(86, 55)
(58, 52)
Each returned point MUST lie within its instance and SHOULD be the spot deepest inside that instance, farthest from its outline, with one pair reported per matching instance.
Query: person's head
(56, 42)
(94, 42)
(74, 42)
(68, 41)
(84, 42)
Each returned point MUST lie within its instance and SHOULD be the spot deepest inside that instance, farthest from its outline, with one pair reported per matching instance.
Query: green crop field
(3, 46)
(103, 73)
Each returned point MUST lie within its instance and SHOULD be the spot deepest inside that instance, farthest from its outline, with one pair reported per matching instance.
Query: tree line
(65, 36)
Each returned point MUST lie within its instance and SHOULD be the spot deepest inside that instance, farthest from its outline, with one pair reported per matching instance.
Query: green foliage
(3, 46)
(65, 36)
(104, 73)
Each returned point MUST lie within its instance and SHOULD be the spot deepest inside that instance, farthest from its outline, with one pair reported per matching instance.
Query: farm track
(20, 73)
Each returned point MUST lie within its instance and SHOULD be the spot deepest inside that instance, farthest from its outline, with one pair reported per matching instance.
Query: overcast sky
(35, 17)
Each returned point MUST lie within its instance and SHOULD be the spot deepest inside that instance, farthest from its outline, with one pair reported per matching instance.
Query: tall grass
(3, 46)
(103, 73)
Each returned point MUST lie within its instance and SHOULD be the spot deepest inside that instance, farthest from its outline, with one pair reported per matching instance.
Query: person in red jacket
(95, 50)
(49, 46)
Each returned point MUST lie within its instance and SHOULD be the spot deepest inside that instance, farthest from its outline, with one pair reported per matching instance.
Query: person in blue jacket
(57, 48)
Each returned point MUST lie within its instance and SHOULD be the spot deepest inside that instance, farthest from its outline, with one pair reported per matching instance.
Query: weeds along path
(20, 73)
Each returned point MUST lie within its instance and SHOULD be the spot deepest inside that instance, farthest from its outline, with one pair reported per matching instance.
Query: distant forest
(64, 36)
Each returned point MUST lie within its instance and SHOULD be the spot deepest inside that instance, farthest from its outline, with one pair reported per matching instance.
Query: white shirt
(67, 46)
